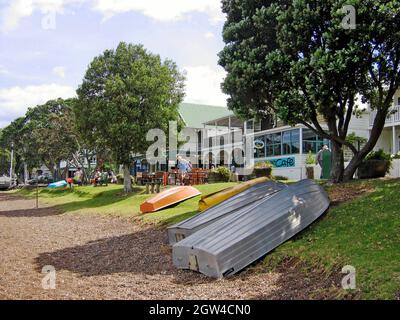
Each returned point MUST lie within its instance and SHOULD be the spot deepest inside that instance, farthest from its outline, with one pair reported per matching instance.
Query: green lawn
(364, 232)
(112, 201)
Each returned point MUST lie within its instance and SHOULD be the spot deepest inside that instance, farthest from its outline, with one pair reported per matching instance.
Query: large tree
(125, 93)
(296, 59)
(45, 135)
(51, 127)
(18, 135)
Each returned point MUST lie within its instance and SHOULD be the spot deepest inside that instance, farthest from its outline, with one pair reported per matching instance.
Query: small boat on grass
(255, 193)
(58, 184)
(168, 198)
(213, 199)
(228, 245)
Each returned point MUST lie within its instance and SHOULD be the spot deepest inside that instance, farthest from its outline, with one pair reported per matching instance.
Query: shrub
(263, 169)
(378, 155)
(396, 156)
(310, 160)
(376, 164)
(281, 178)
(220, 174)
(263, 164)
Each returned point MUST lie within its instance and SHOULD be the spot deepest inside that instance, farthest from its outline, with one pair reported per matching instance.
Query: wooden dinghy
(237, 240)
(168, 198)
(213, 199)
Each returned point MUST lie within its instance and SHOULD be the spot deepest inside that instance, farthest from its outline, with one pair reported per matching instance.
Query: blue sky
(46, 45)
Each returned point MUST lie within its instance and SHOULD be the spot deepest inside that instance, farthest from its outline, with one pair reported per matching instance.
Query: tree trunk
(26, 173)
(127, 179)
(352, 167)
(337, 170)
(376, 132)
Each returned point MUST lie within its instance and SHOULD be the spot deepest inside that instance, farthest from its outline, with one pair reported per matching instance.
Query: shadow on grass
(101, 199)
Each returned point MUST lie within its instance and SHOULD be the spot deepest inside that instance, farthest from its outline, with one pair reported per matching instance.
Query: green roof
(194, 115)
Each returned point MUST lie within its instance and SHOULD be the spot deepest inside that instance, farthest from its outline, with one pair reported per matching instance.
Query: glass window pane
(308, 135)
(277, 137)
(277, 150)
(308, 146)
(295, 141)
(259, 146)
(270, 150)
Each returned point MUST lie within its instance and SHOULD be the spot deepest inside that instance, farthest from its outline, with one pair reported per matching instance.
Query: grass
(364, 233)
(112, 201)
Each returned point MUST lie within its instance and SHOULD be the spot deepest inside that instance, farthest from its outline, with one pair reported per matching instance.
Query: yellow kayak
(213, 199)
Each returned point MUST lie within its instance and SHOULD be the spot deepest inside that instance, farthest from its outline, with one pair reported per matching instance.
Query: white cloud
(59, 71)
(161, 10)
(15, 101)
(12, 14)
(209, 35)
(203, 85)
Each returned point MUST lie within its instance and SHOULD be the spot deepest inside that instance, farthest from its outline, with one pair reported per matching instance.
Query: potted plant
(376, 165)
(310, 164)
(263, 169)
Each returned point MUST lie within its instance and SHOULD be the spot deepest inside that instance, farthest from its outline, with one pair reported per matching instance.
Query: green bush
(376, 165)
(281, 178)
(396, 156)
(378, 155)
(220, 174)
(310, 160)
(263, 169)
(263, 165)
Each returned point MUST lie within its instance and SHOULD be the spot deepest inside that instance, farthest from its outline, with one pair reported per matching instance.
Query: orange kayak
(168, 198)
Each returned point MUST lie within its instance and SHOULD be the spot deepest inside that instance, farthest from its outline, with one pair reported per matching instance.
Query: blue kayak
(58, 184)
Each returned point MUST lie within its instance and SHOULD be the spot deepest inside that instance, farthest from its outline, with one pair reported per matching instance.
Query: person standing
(319, 158)
(78, 175)
(183, 167)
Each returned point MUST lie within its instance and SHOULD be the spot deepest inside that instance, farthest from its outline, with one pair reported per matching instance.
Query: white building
(287, 147)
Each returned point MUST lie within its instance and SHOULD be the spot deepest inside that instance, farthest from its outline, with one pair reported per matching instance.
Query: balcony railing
(394, 116)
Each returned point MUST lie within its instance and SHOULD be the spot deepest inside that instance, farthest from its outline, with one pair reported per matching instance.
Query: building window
(259, 147)
(277, 144)
(221, 141)
(274, 144)
(291, 142)
(313, 142)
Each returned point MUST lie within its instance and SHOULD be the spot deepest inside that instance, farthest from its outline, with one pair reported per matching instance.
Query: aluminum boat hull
(237, 240)
(255, 193)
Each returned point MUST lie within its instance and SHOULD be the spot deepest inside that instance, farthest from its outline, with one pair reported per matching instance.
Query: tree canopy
(296, 60)
(125, 93)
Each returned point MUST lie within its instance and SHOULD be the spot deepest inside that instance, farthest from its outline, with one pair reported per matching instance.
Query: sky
(47, 45)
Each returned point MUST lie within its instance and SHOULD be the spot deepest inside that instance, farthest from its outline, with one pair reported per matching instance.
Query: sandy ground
(112, 258)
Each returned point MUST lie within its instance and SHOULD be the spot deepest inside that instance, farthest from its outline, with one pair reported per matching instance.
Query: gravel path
(112, 258)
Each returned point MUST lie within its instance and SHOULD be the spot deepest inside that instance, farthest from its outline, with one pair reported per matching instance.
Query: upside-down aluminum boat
(213, 199)
(168, 198)
(255, 193)
(237, 240)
